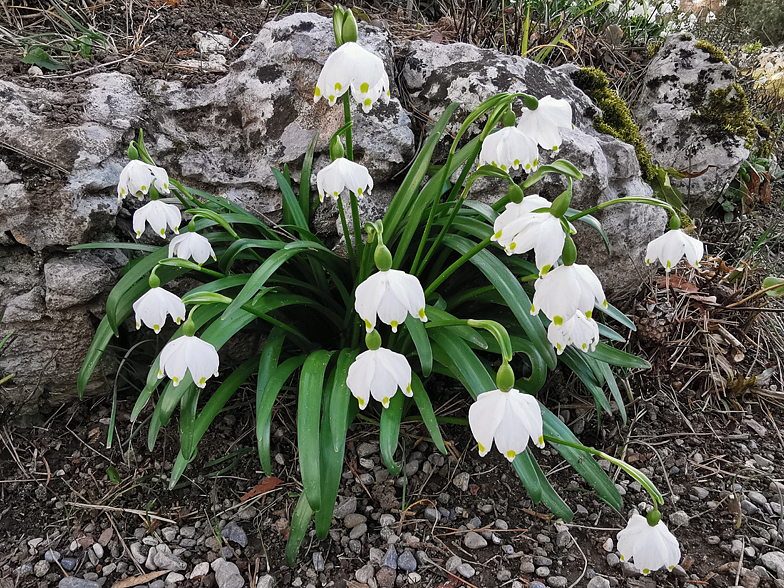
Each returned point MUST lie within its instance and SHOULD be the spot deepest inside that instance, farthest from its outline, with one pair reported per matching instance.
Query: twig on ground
(141, 513)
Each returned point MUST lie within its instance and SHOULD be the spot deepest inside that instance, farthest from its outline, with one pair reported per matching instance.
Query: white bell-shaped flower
(510, 148)
(565, 290)
(580, 331)
(518, 230)
(191, 245)
(391, 295)
(189, 353)
(137, 177)
(672, 246)
(353, 67)
(510, 418)
(343, 174)
(152, 307)
(542, 124)
(158, 214)
(649, 548)
(378, 373)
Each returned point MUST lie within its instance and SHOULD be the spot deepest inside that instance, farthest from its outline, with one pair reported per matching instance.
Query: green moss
(725, 109)
(686, 37)
(715, 53)
(653, 48)
(765, 148)
(616, 120)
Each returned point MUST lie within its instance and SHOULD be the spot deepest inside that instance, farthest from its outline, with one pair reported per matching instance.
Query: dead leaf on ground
(136, 580)
(677, 282)
(266, 485)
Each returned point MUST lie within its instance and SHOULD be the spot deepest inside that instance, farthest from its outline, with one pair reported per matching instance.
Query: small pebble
(452, 563)
(474, 540)
(542, 571)
(390, 558)
(358, 531)
(599, 582)
(407, 562)
(68, 563)
(556, 582)
(233, 532)
(318, 561)
(466, 570)
(354, 520)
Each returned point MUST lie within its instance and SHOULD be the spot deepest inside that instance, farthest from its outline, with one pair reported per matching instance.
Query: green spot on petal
(481, 448)
(368, 326)
(175, 380)
(203, 381)
(588, 314)
(317, 93)
(516, 162)
(364, 88)
(338, 87)
(385, 401)
(558, 320)
(510, 454)
(498, 234)
(422, 314)
(394, 324)
(367, 102)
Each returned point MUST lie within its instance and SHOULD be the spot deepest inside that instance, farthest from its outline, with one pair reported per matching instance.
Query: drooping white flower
(671, 246)
(152, 307)
(137, 177)
(189, 353)
(509, 148)
(379, 373)
(391, 295)
(519, 229)
(649, 547)
(580, 331)
(191, 245)
(158, 214)
(561, 292)
(353, 67)
(542, 124)
(510, 418)
(343, 174)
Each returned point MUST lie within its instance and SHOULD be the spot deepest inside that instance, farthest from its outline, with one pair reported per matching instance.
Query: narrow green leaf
(550, 497)
(300, 521)
(607, 354)
(103, 335)
(240, 245)
(311, 387)
(574, 359)
(425, 407)
(421, 341)
(523, 465)
(112, 245)
(341, 399)
(436, 316)
(389, 431)
(292, 213)
(455, 354)
(616, 314)
(770, 282)
(594, 223)
(609, 377)
(304, 180)
(331, 460)
(38, 56)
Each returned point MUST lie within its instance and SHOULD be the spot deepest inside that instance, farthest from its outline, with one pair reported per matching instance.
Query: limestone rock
(71, 281)
(439, 74)
(680, 83)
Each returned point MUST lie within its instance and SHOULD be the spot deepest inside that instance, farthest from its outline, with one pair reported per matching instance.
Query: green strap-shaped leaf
(389, 432)
(331, 460)
(240, 245)
(525, 467)
(341, 399)
(581, 461)
(550, 497)
(300, 521)
(436, 315)
(118, 245)
(609, 377)
(574, 360)
(278, 377)
(511, 290)
(594, 223)
(455, 354)
(304, 180)
(425, 407)
(311, 387)
(292, 213)
(607, 354)
(613, 312)
(100, 341)
(421, 341)
(609, 333)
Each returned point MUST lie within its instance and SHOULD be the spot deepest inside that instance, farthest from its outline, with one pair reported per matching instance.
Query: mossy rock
(616, 119)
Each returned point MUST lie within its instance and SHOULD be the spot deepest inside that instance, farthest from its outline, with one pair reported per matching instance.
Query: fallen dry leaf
(266, 485)
(678, 283)
(143, 579)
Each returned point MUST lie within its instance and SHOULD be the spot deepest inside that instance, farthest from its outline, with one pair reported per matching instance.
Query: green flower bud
(189, 328)
(505, 378)
(154, 280)
(192, 225)
(373, 340)
(349, 31)
(336, 150)
(569, 254)
(133, 153)
(654, 517)
(383, 258)
(337, 24)
(561, 204)
(531, 103)
(515, 193)
(675, 222)
(509, 118)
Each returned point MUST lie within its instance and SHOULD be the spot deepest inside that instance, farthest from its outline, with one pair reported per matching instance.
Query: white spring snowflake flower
(152, 307)
(191, 245)
(189, 353)
(158, 214)
(353, 67)
(580, 331)
(649, 548)
(343, 174)
(391, 295)
(137, 177)
(542, 124)
(379, 373)
(519, 229)
(565, 290)
(672, 246)
(508, 418)
(510, 148)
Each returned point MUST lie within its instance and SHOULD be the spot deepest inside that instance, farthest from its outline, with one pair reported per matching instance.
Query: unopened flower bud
(531, 103)
(336, 150)
(337, 24)
(192, 226)
(154, 281)
(675, 222)
(349, 31)
(189, 328)
(515, 193)
(561, 204)
(509, 119)
(383, 258)
(569, 254)
(133, 153)
(505, 378)
(373, 340)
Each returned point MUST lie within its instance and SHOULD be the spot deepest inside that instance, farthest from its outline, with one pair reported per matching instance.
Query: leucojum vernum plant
(437, 288)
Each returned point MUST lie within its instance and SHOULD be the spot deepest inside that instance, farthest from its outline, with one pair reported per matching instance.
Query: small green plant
(752, 184)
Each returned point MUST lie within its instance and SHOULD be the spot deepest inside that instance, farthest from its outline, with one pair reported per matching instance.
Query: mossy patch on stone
(714, 52)
(653, 48)
(616, 119)
(686, 37)
(726, 110)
